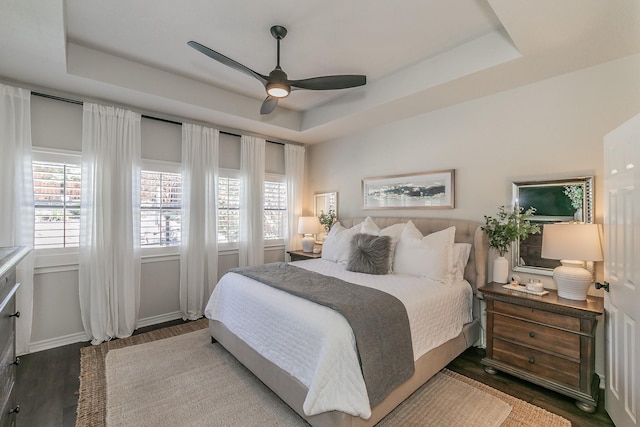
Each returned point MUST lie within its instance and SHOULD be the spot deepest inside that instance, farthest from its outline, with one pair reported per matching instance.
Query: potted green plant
(504, 229)
(327, 219)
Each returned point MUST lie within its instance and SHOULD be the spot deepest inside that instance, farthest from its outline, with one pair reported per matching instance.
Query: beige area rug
(187, 381)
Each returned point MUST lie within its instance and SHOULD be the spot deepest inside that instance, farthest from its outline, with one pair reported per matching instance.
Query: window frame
(55, 257)
(273, 177)
(161, 166)
(230, 174)
(61, 257)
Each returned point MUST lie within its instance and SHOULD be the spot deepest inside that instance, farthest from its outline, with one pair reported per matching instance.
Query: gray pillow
(369, 254)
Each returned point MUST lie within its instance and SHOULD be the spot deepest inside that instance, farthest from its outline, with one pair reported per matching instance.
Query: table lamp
(308, 225)
(572, 244)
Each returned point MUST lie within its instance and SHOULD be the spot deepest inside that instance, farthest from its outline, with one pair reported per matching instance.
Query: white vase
(500, 270)
(578, 215)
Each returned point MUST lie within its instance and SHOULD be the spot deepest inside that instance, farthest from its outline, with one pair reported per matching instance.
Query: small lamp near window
(572, 244)
(308, 225)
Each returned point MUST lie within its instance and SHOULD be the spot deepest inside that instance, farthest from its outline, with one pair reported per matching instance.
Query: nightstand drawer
(554, 368)
(301, 256)
(537, 315)
(539, 336)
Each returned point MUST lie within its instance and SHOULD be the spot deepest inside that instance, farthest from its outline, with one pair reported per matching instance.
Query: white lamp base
(572, 280)
(307, 243)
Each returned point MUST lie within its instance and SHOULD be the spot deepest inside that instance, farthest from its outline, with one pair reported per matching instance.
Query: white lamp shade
(308, 225)
(572, 241)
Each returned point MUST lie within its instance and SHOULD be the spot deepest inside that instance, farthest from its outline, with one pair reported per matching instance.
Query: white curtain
(16, 193)
(294, 171)
(199, 251)
(109, 270)
(251, 243)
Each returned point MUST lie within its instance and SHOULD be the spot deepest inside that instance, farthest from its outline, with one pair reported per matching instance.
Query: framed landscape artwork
(424, 190)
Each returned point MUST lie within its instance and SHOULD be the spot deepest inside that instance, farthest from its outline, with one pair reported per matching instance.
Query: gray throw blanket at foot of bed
(379, 321)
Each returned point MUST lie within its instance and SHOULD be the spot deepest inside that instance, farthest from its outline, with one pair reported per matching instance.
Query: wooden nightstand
(299, 255)
(547, 340)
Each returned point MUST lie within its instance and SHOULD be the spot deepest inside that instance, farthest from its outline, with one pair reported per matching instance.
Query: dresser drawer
(7, 323)
(554, 368)
(7, 369)
(539, 336)
(537, 315)
(8, 419)
(6, 283)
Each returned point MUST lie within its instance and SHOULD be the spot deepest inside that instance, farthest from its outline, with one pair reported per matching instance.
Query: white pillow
(370, 227)
(461, 253)
(337, 246)
(428, 256)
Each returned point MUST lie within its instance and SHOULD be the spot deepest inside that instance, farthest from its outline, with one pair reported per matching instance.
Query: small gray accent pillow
(369, 254)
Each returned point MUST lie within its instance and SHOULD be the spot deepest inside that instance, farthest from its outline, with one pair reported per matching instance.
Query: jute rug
(187, 381)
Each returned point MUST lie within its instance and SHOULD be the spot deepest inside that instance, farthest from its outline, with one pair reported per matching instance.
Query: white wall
(553, 128)
(56, 319)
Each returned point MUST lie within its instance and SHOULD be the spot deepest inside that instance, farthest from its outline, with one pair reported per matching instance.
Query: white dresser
(9, 258)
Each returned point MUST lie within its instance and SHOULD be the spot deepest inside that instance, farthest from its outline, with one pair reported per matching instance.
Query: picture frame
(423, 190)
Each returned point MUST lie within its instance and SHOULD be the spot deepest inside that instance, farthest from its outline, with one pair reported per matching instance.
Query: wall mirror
(323, 203)
(558, 200)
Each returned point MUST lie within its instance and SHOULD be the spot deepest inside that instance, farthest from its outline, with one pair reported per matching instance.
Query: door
(622, 271)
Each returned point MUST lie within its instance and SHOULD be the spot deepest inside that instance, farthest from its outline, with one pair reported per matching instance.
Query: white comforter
(316, 345)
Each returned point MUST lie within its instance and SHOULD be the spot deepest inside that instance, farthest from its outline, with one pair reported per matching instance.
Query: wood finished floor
(47, 387)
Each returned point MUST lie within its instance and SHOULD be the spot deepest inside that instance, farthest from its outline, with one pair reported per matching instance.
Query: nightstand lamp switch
(572, 244)
(308, 225)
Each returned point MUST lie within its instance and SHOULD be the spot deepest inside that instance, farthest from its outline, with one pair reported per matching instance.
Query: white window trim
(55, 155)
(161, 166)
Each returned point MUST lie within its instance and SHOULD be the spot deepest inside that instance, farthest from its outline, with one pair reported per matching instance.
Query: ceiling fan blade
(227, 61)
(330, 82)
(270, 103)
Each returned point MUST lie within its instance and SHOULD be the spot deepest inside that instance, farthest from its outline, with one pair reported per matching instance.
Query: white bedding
(316, 345)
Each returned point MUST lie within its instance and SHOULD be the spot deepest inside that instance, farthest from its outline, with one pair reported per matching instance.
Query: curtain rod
(75, 101)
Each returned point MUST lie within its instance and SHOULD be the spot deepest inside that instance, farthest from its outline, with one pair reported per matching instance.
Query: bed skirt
(293, 392)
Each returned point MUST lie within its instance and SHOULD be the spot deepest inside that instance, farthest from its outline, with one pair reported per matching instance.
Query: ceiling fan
(277, 83)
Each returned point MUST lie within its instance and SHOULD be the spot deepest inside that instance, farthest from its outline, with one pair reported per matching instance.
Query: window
(275, 209)
(160, 208)
(228, 209)
(56, 194)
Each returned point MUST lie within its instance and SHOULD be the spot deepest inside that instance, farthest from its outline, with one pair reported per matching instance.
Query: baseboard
(50, 343)
(161, 318)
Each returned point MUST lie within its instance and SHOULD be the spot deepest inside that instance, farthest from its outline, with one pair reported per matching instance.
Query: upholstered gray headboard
(466, 232)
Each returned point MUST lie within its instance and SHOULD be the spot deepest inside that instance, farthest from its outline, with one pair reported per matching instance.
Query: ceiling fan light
(277, 90)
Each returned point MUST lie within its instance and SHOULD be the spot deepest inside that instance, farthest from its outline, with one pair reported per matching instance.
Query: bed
(292, 360)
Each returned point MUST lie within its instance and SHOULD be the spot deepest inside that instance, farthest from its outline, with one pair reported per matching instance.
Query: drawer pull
(532, 361)
(16, 314)
(532, 334)
(16, 362)
(15, 410)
